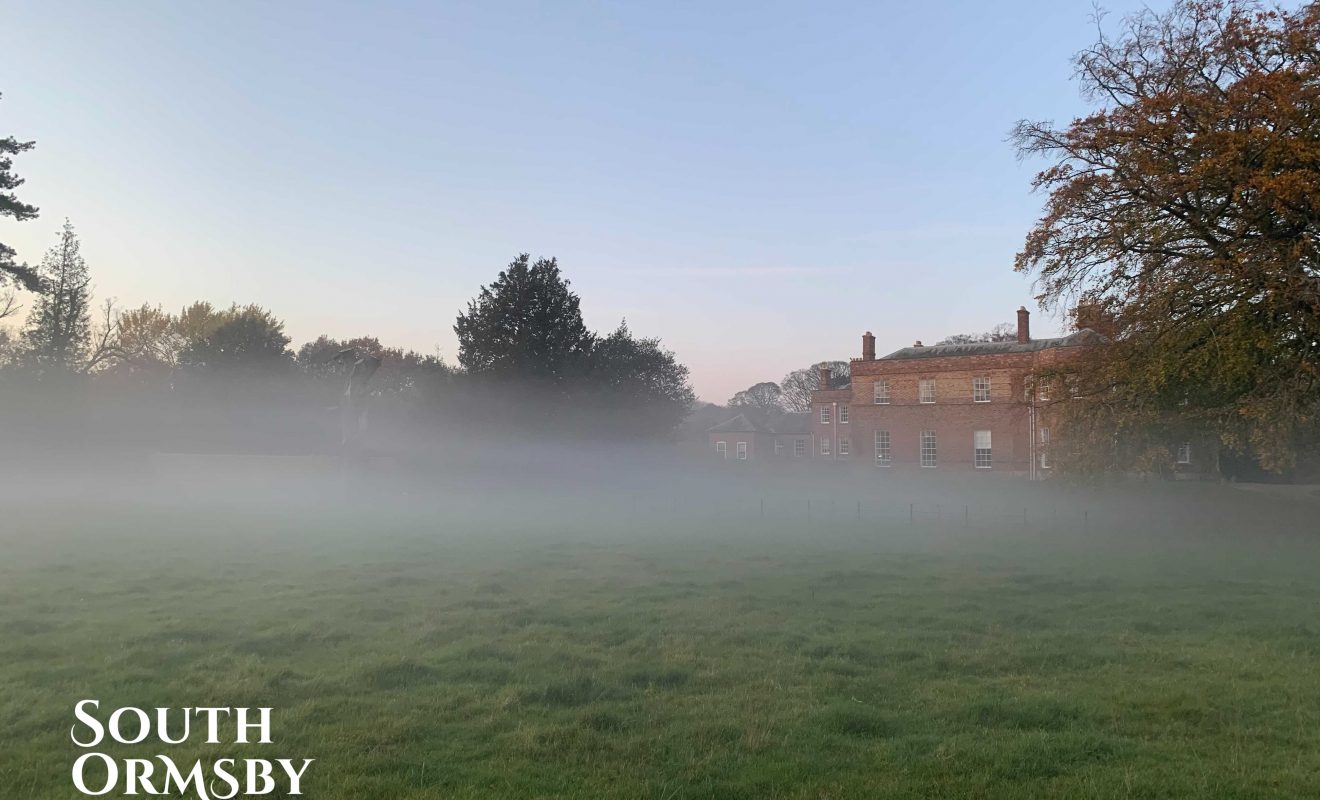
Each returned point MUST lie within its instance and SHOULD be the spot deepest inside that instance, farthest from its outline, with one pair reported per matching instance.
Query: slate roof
(740, 424)
(794, 423)
(1084, 336)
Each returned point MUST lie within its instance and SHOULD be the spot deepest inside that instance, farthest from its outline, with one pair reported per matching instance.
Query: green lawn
(420, 657)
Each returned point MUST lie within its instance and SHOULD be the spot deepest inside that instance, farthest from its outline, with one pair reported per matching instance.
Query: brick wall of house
(831, 432)
(761, 446)
(1013, 415)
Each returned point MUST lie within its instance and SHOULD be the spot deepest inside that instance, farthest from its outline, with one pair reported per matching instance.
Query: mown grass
(417, 657)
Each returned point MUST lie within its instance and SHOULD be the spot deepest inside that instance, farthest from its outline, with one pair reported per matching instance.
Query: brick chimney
(1024, 325)
(824, 377)
(868, 346)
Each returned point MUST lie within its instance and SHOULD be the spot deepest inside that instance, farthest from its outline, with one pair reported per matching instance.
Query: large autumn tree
(1184, 210)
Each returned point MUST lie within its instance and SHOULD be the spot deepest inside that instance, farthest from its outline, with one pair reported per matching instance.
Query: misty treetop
(764, 395)
(1184, 211)
(793, 392)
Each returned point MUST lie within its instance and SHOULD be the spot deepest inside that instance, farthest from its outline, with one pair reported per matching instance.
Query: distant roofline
(742, 423)
(1083, 337)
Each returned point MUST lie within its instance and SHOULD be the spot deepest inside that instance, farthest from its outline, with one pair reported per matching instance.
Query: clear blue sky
(755, 183)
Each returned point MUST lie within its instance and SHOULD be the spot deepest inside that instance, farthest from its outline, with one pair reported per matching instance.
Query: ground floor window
(779, 447)
(928, 448)
(1044, 448)
(1185, 453)
(722, 448)
(742, 451)
(825, 446)
(799, 447)
(845, 446)
(882, 449)
(981, 448)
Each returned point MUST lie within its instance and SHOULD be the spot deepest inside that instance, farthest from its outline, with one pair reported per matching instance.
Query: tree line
(527, 363)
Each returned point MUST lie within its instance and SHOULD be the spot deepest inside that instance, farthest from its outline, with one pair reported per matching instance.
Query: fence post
(967, 517)
(808, 508)
(762, 508)
(912, 514)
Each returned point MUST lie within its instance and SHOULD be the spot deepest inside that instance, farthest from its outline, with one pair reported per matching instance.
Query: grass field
(425, 657)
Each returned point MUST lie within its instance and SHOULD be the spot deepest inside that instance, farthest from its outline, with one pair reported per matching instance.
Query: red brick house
(750, 436)
(975, 407)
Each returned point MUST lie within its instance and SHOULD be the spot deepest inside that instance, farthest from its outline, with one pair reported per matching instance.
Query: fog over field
(610, 620)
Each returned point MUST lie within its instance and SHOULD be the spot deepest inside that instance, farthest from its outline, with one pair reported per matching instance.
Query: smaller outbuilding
(761, 436)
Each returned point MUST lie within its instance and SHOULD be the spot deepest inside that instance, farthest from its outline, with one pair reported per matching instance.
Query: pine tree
(11, 207)
(59, 329)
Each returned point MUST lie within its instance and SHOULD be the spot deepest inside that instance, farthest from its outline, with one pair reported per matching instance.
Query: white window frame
(825, 445)
(1185, 453)
(929, 455)
(843, 414)
(880, 393)
(1043, 390)
(845, 446)
(1044, 435)
(779, 447)
(981, 389)
(926, 391)
(742, 451)
(982, 457)
(883, 456)
(799, 447)
(723, 449)
(825, 415)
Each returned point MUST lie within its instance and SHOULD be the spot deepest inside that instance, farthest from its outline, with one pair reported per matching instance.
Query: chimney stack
(1024, 325)
(823, 375)
(868, 346)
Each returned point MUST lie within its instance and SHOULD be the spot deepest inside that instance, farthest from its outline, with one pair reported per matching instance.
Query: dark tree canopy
(553, 375)
(11, 206)
(641, 382)
(1185, 210)
(247, 338)
(527, 324)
